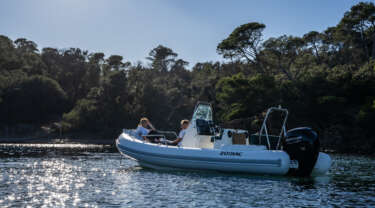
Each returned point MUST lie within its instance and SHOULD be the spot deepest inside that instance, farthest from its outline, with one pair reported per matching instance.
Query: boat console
(205, 127)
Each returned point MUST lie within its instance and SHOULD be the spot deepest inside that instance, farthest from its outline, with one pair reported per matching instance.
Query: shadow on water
(348, 172)
(301, 183)
(225, 189)
(36, 150)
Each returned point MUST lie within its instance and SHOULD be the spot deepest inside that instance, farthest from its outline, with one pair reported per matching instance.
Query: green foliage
(241, 95)
(84, 115)
(34, 99)
(161, 58)
(8, 56)
(243, 42)
(358, 26)
(282, 54)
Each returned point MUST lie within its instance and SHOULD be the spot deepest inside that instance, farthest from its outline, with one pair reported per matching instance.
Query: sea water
(107, 179)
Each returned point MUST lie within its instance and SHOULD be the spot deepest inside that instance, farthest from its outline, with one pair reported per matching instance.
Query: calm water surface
(69, 179)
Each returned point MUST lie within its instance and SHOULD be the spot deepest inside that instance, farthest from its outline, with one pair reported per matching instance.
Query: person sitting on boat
(144, 128)
(184, 126)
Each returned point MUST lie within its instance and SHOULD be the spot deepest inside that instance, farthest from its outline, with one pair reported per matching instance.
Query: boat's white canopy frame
(264, 128)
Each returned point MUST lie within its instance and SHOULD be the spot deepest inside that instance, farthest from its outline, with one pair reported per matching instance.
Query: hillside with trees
(326, 80)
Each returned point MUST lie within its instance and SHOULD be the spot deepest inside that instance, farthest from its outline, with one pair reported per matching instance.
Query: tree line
(326, 80)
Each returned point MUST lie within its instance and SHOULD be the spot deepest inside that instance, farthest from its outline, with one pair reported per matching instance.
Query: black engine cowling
(302, 145)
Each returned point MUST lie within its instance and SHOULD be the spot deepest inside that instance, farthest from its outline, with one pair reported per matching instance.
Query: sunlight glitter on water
(107, 179)
(53, 184)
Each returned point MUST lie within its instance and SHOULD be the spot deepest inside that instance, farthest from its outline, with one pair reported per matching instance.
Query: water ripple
(108, 180)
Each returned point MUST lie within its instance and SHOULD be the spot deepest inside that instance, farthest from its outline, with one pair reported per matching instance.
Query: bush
(36, 99)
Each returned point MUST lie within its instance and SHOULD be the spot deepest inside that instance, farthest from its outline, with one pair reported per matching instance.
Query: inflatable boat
(209, 147)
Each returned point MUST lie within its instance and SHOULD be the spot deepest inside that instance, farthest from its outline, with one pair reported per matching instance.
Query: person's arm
(143, 132)
(138, 131)
(176, 141)
(151, 126)
(180, 137)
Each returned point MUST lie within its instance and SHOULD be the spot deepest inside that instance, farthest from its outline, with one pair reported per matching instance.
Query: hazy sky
(131, 28)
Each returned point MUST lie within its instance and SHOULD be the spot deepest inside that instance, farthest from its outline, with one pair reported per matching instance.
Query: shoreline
(30, 140)
(111, 143)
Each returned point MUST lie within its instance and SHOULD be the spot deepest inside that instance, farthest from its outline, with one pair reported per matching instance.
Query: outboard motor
(302, 145)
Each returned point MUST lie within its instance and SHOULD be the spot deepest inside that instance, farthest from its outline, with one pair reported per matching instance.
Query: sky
(132, 28)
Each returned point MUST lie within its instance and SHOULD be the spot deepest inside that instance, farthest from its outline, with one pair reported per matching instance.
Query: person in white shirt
(144, 128)
(184, 126)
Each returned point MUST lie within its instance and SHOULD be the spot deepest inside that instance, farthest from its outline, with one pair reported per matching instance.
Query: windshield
(203, 111)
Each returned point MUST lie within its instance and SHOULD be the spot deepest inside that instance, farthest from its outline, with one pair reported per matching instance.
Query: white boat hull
(248, 159)
(208, 147)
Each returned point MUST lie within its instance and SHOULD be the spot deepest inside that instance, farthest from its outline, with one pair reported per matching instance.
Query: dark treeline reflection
(326, 79)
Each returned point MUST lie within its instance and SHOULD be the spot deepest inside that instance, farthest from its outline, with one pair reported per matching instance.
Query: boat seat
(239, 138)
